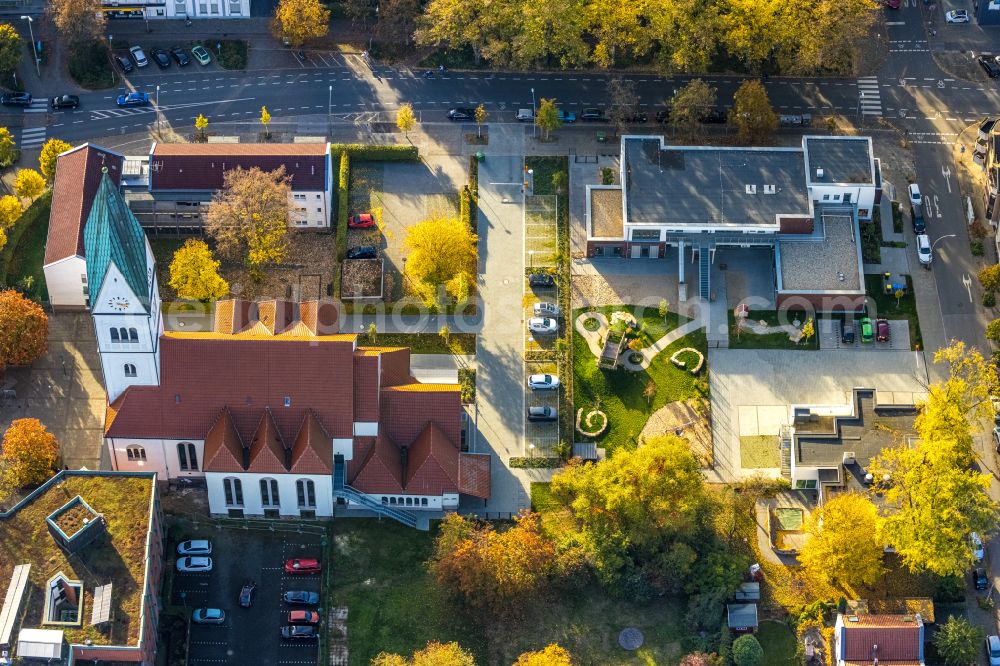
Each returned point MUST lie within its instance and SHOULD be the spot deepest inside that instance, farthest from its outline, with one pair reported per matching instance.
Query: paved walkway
(594, 339)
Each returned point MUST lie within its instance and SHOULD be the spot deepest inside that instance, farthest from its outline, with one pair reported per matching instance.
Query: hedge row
(535, 463)
(343, 199)
(365, 153)
(471, 192)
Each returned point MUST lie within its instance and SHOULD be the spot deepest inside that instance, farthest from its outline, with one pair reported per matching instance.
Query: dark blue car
(133, 99)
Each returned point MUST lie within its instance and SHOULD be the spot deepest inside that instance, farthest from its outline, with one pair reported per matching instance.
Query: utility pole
(34, 44)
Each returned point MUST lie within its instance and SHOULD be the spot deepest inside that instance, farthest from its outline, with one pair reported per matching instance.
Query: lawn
(395, 606)
(425, 343)
(886, 305)
(778, 642)
(25, 252)
(620, 392)
(747, 339)
(759, 451)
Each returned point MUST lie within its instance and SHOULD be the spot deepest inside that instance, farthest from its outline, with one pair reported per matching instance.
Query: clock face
(118, 303)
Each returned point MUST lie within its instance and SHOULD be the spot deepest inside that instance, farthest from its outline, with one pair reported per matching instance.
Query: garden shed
(742, 617)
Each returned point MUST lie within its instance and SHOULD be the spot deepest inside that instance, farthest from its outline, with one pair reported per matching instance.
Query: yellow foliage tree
(24, 329)
(30, 454)
(265, 119)
(8, 148)
(47, 159)
(551, 655)
(443, 254)
(301, 20)
(844, 542)
(201, 124)
(405, 119)
(194, 273)
(434, 654)
(10, 210)
(752, 114)
(29, 184)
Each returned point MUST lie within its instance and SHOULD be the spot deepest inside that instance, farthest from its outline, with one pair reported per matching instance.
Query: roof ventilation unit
(751, 189)
(819, 172)
(850, 458)
(769, 189)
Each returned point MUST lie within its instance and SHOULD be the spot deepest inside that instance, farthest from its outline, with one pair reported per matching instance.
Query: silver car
(195, 547)
(194, 564)
(543, 325)
(138, 56)
(543, 382)
(208, 616)
(547, 310)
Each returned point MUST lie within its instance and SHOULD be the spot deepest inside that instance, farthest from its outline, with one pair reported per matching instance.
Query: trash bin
(480, 155)
(602, 137)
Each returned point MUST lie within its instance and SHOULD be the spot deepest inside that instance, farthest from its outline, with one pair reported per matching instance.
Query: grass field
(759, 451)
(887, 306)
(778, 642)
(25, 254)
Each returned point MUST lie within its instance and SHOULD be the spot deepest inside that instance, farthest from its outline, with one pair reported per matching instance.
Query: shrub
(747, 651)
(976, 247)
(989, 299)
(365, 153)
(342, 205)
(90, 66)
(535, 463)
(465, 208)
(607, 176)
(467, 380)
(231, 53)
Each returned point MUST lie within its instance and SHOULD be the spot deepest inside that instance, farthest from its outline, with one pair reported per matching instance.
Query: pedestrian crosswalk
(118, 113)
(32, 137)
(869, 100)
(37, 106)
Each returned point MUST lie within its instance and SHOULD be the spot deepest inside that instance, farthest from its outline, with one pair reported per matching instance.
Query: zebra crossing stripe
(869, 99)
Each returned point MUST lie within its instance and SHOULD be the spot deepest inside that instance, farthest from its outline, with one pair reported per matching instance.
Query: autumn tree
(547, 116)
(443, 254)
(958, 641)
(456, 24)
(618, 30)
(550, 655)
(844, 544)
(397, 21)
(265, 120)
(433, 654)
(689, 105)
(624, 98)
(30, 453)
(24, 330)
(29, 184)
(79, 21)
(850, 20)
(687, 33)
(248, 217)
(493, 571)
(47, 159)
(194, 273)
(752, 115)
(201, 126)
(993, 331)
(298, 21)
(10, 47)
(989, 277)
(481, 116)
(8, 148)
(405, 118)
(10, 211)
(756, 30)
(699, 659)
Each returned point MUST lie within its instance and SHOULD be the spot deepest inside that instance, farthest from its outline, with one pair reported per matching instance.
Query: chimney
(404, 461)
(246, 458)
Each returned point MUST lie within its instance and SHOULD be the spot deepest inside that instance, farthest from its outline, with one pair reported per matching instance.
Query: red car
(882, 330)
(361, 221)
(303, 617)
(303, 566)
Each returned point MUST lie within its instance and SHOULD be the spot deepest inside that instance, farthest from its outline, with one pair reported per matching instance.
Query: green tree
(47, 158)
(844, 543)
(29, 184)
(194, 273)
(752, 115)
(298, 21)
(958, 641)
(993, 331)
(10, 48)
(747, 651)
(689, 104)
(405, 118)
(201, 125)
(481, 116)
(8, 148)
(989, 277)
(547, 116)
(443, 255)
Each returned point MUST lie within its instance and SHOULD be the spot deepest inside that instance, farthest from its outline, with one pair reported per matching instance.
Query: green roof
(113, 235)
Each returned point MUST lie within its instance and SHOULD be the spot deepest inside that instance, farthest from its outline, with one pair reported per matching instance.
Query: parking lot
(540, 236)
(541, 437)
(830, 336)
(248, 635)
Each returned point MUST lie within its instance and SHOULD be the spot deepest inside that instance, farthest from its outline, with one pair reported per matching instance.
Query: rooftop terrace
(842, 159)
(829, 265)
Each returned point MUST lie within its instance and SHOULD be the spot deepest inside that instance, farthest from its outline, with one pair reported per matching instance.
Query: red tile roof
(223, 447)
(432, 464)
(396, 367)
(381, 471)
(362, 448)
(78, 174)
(312, 452)
(898, 639)
(267, 451)
(474, 474)
(201, 166)
(366, 389)
(407, 409)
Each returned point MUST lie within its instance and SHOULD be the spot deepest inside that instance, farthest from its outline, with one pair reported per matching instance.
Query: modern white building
(175, 9)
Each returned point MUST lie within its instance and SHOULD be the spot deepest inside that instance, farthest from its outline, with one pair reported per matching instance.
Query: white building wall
(863, 196)
(162, 456)
(287, 494)
(66, 281)
(193, 9)
(310, 209)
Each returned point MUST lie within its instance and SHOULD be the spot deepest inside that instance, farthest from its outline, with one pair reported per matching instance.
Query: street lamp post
(157, 107)
(329, 107)
(372, 36)
(34, 44)
(861, 99)
(534, 128)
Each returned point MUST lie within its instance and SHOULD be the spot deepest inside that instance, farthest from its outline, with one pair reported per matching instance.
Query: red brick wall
(796, 225)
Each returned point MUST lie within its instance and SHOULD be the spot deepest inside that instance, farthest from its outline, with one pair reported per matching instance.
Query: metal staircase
(703, 272)
(785, 435)
(343, 491)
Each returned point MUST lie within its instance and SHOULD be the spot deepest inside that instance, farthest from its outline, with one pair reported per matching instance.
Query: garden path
(594, 339)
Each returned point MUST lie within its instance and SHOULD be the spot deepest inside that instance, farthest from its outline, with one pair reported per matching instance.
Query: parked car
(162, 58)
(957, 16)
(915, 198)
(662, 116)
(924, 249)
(713, 117)
(361, 221)
(543, 325)
(980, 579)
(989, 64)
(208, 616)
(194, 564)
(64, 102)
(993, 650)
(306, 565)
(363, 252)
(181, 56)
(847, 332)
(976, 544)
(892, 4)
(593, 115)
(301, 598)
(566, 117)
(124, 63)
(16, 99)
(542, 280)
(139, 56)
(544, 382)
(462, 113)
(866, 330)
(133, 99)
(637, 117)
(195, 547)
(299, 632)
(546, 310)
(246, 593)
(200, 54)
(919, 226)
(525, 115)
(303, 617)
(882, 330)
(540, 413)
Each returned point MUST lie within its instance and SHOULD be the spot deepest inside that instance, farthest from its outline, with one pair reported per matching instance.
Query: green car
(866, 330)
(200, 54)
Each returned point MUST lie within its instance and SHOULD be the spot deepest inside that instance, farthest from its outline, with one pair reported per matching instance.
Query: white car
(138, 56)
(543, 382)
(526, 115)
(915, 198)
(194, 564)
(547, 310)
(208, 616)
(543, 325)
(993, 650)
(957, 16)
(977, 546)
(924, 249)
(195, 547)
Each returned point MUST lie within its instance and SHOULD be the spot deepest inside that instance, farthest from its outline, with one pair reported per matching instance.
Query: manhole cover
(630, 639)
